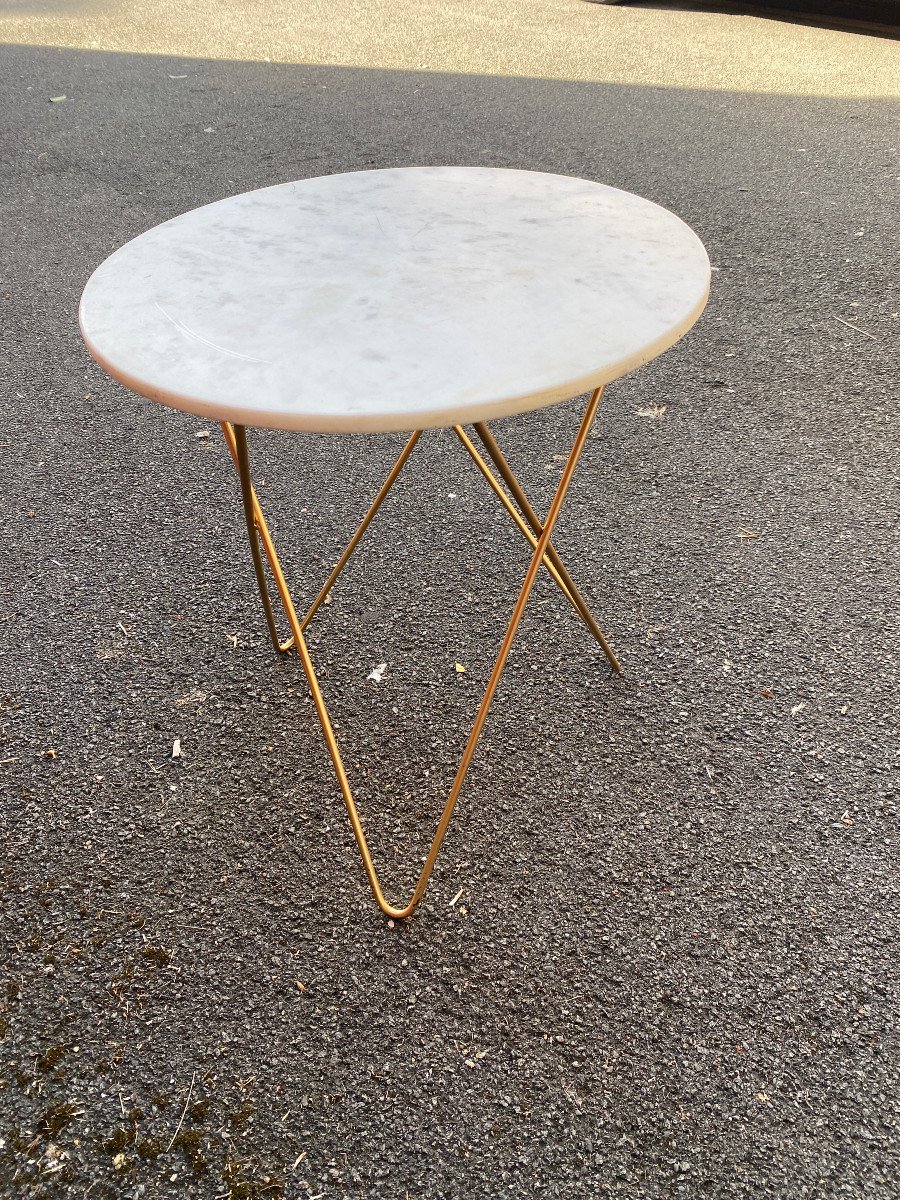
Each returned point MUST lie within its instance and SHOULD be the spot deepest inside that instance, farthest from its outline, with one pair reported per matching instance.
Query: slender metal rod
(268, 545)
(363, 526)
(506, 474)
(250, 504)
(510, 508)
(506, 646)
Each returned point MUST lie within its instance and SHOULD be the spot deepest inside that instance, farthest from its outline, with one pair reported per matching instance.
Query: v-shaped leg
(237, 441)
(259, 535)
(552, 561)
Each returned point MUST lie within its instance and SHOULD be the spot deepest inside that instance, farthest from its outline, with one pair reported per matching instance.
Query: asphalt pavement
(658, 957)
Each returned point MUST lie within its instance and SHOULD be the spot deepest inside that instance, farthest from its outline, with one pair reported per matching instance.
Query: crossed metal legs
(538, 535)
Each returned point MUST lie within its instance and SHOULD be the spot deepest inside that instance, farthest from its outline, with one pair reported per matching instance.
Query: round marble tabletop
(395, 300)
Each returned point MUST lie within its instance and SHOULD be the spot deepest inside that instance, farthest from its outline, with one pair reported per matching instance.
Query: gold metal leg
(363, 526)
(259, 532)
(551, 560)
(237, 441)
(237, 438)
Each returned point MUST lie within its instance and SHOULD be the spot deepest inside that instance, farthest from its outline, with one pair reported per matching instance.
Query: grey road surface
(659, 954)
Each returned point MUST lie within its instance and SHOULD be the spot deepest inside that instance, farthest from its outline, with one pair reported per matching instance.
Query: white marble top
(394, 300)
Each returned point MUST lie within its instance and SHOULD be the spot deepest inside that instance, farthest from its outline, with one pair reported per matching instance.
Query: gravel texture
(672, 967)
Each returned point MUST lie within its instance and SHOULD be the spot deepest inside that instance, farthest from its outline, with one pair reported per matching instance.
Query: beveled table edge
(387, 422)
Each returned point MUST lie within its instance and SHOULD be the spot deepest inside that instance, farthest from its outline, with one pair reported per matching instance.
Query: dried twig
(183, 1113)
(864, 332)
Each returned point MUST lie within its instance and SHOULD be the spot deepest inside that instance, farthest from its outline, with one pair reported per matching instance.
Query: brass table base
(543, 554)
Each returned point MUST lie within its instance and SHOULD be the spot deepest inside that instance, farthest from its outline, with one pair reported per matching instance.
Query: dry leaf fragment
(846, 819)
(798, 708)
(654, 411)
(767, 693)
(763, 1098)
(51, 754)
(301, 987)
(232, 637)
(377, 673)
(460, 669)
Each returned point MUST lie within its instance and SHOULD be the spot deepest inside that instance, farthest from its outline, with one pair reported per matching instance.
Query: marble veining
(397, 299)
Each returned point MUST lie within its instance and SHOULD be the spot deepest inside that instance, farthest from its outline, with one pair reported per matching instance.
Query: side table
(398, 300)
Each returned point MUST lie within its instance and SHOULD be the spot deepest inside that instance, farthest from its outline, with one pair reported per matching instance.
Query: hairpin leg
(237, 441)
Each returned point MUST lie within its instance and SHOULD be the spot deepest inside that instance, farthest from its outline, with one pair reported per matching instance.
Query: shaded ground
(672, 968)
